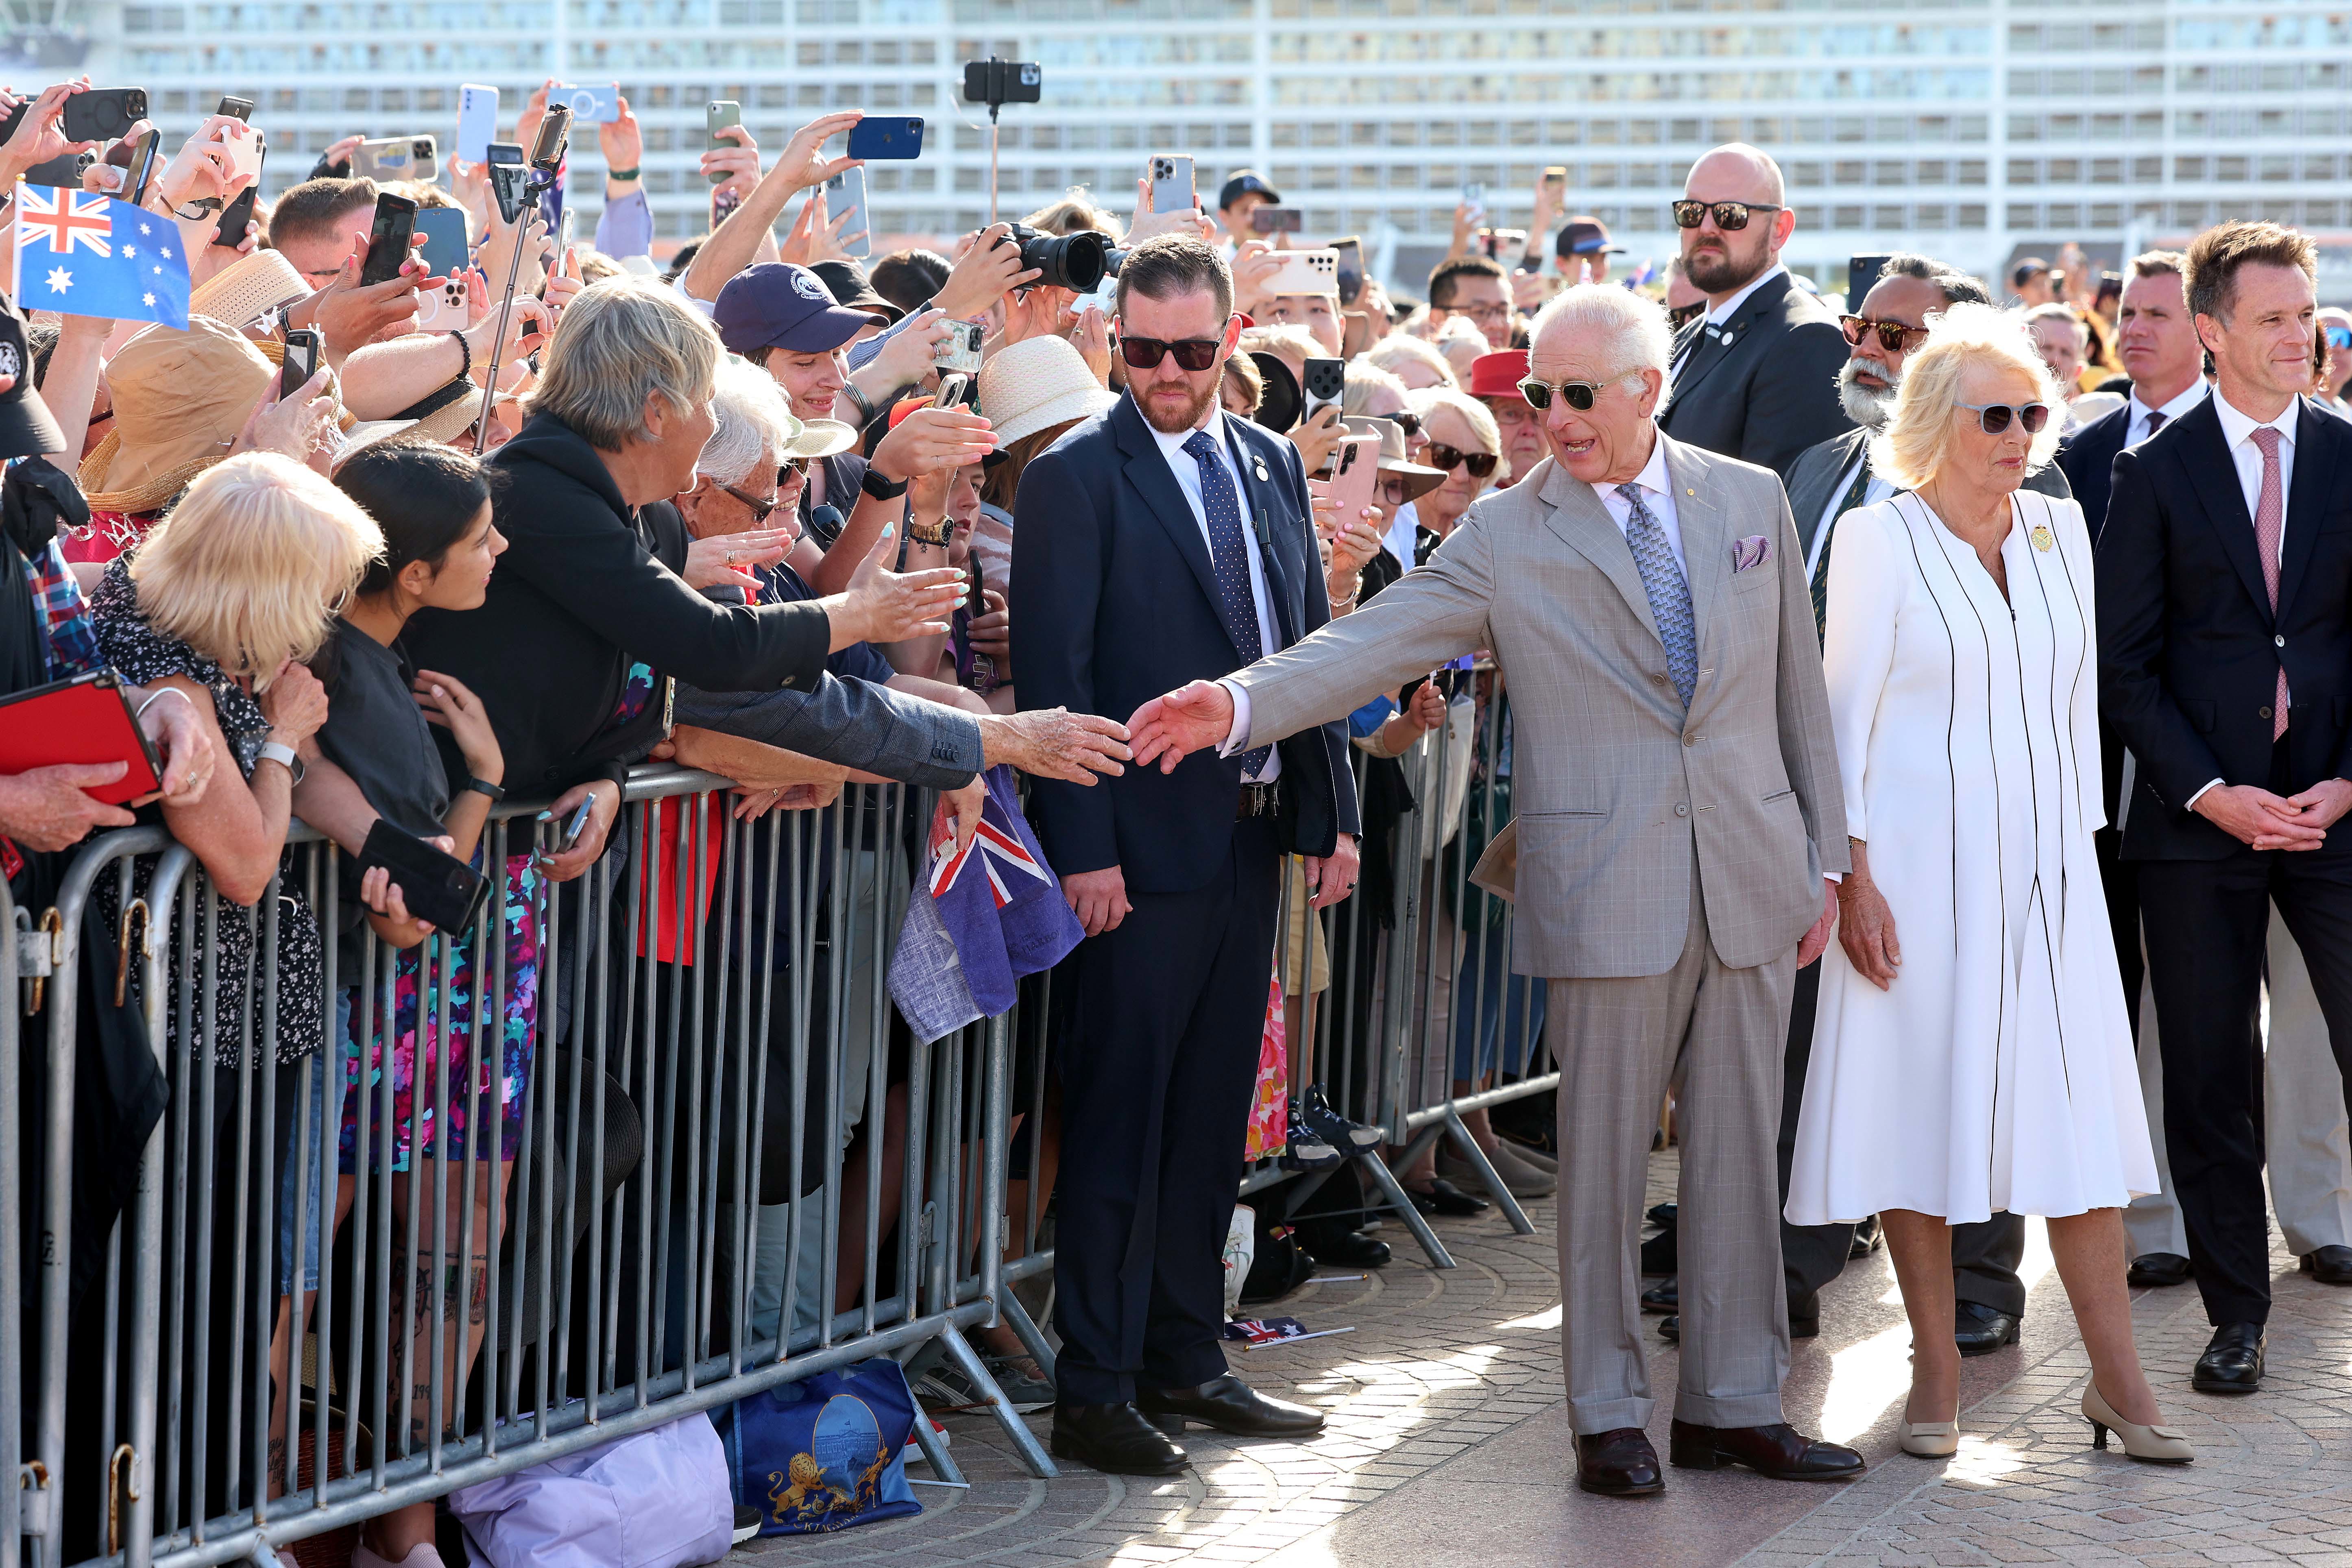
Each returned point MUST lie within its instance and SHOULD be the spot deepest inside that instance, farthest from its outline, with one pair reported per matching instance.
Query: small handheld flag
(89, 255)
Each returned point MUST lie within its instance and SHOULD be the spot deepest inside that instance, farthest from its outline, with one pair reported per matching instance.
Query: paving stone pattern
(1448, 1443)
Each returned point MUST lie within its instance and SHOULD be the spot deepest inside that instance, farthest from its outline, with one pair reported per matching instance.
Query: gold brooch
(2042, 538)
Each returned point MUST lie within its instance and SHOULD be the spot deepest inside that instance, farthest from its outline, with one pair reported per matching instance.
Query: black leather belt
(1258, 800)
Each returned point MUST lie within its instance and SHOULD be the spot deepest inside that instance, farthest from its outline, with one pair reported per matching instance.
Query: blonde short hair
(1279, 338)
(620, 341)
(1475, 413)
(1364, 378)
(251, 567)
(1919, 432)
(1398, 350)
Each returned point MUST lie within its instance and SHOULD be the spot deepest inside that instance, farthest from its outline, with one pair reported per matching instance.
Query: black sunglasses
(1409, 423)
(1728, 215)
(1480, 464)
(1995, 416)
(1893, 336)
(1192, 353)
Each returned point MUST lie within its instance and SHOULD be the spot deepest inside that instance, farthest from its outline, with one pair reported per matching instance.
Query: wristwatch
(484, 786)
(283, 755)
(880, 489)
(936, 538)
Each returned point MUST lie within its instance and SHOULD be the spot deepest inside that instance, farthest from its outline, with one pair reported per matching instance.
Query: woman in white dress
(1971, 1052)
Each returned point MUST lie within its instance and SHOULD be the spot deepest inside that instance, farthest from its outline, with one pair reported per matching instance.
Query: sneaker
(1339, 1132)
(747, 1523)
(1305, 1150)
(1022, 1383)
(1520, 1179)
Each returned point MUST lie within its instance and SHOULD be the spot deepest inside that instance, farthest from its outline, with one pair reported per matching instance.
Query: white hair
(1630, 324)
(754, 420)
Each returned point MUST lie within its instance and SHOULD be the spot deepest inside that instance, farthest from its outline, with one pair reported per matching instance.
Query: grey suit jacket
(1766, 391)
(1617, 787)
(853, 723)
(1814, 477)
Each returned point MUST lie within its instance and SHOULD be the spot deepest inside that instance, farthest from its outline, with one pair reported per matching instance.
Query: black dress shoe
(2232, 1362)
(1799, 1328)
(1347, 1249)
(2158, 1268)
(1619, 1463)
(1666, 1296)
(2329, 1265)
(1229, 1405)
(1979, 1329)
(1868, 1238)
(1444, 1199)
(1778, 1451)
(1114, 1439)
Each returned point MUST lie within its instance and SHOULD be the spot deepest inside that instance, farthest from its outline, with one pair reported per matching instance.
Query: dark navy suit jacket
(1116, 602)
(2088, 459)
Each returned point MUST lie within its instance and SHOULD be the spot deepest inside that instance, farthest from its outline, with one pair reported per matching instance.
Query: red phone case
(86, 720)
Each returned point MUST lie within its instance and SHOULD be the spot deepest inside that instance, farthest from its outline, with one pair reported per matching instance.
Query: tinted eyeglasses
(1995, 416)
(1577, 394)
(1728, 215)
(2338, 337)
(1893, 336)
(1192, 353)
(760, 507)
(1480, 464)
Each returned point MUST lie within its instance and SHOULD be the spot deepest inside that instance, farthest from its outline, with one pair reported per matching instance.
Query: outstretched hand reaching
(1168, 729)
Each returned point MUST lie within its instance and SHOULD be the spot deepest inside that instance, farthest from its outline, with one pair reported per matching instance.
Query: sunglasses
(1480, 464)
(760, 507)
(2339, 337)
(1393, 491)
(1192, 353)
(1995, 416)
(1893, 336)
(1577, 394)
(1407, 421)
(1728, 215)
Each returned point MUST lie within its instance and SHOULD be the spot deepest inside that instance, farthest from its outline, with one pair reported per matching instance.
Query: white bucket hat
(1036, 384)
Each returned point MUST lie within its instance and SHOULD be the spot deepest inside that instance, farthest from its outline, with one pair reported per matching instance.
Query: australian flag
(980, 919)
(88, 254)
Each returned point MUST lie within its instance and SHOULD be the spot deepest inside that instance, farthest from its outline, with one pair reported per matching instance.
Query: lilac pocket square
(1753, 551)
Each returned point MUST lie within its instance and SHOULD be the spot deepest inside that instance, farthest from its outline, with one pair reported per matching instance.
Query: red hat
(1498, 374)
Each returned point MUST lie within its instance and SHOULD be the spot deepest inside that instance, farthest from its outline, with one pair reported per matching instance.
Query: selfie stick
(538, 175)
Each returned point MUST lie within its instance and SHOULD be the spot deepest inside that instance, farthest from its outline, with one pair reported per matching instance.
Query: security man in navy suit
(1160, 542)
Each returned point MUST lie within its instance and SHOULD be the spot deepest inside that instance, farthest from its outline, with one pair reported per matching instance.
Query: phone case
(1355, 471)
(444, 229)
(1171, 184)
(87, 719)
(599, 102)
(478, 123)
(436, 886)
(1307, 272)
(1325, 382)
(886, 136)
(846, 193)
(721, 115)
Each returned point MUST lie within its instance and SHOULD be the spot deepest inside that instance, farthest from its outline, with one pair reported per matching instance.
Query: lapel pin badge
(2042, 538)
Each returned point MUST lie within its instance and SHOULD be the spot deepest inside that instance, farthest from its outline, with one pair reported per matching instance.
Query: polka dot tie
(1230, 554)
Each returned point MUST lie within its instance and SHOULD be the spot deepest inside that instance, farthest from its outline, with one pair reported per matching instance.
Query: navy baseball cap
(777, 305)
(1585, 236)
(1245, 182)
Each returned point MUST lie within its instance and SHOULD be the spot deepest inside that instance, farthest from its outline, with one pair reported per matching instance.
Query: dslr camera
(1077, 262)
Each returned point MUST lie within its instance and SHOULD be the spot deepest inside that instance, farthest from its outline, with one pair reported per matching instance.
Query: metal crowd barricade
(704, 1009)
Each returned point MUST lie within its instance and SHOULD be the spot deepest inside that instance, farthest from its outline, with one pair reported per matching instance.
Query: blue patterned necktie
(1670, 603)
(1230, 554)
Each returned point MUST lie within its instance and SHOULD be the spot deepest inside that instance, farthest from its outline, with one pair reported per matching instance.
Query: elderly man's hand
(1168, 729)
(1054, 743)
(45, 809)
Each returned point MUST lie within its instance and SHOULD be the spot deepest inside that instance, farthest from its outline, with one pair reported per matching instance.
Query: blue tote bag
(826, 1453)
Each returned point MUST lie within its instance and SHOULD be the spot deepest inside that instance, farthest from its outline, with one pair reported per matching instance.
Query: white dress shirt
(1658, 495)
(2137, 431)
(1186, 471)
(1404, 530)
(1719, 314)
(1877, 490)
(2237, 431)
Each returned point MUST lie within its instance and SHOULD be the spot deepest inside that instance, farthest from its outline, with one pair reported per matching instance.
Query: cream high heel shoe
(1931, 1439)
(2150, 1444)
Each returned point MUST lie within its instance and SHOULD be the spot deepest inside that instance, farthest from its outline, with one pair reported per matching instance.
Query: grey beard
(1869, 409)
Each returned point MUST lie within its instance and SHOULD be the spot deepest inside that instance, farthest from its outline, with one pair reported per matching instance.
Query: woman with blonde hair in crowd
(1972, 1053)
(1412, 361)
(1464, 442)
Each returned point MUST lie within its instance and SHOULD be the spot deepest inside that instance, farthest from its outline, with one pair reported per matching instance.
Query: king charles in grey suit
(1678, 809)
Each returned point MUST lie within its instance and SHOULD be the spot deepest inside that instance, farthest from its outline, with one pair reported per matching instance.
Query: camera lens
(1072, 261)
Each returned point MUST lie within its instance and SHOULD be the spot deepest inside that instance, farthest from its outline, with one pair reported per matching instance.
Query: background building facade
(1974, 131)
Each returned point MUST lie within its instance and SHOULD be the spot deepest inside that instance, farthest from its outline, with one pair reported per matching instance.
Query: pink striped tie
(2270, 514)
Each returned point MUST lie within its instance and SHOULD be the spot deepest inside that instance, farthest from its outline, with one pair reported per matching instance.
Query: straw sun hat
(1035, 383)
(180, 400)
(249, 290)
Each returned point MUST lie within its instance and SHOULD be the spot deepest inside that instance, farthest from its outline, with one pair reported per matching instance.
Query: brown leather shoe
(1619, 1463)
(1778, 1451)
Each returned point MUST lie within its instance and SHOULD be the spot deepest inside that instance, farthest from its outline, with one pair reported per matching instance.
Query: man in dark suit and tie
(1160, 542)
(2162, 357)
(1756, 376)
(2225, 663)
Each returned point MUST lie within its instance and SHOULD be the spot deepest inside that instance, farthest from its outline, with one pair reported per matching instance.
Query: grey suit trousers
(1716, 1034)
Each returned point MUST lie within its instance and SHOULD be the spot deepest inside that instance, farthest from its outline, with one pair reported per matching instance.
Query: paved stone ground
(1448, 1443)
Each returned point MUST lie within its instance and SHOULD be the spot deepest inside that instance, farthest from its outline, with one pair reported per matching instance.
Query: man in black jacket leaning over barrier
(1163, 542)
